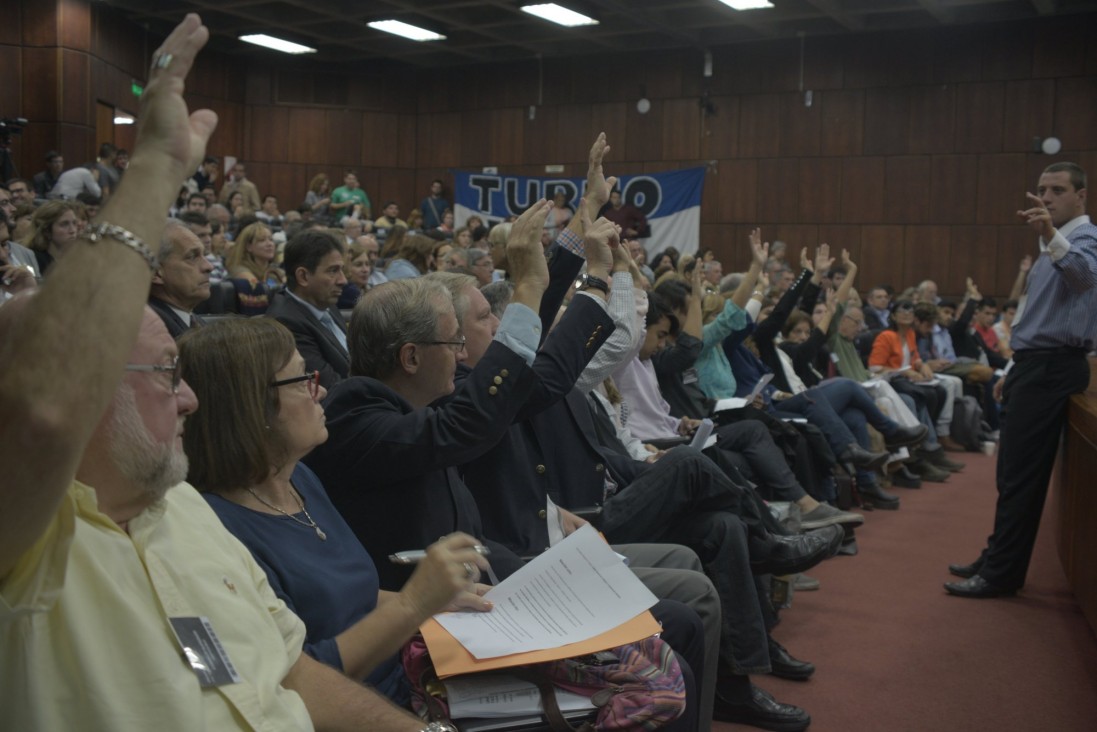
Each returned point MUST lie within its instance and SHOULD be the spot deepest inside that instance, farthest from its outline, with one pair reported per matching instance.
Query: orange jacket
(887, 350)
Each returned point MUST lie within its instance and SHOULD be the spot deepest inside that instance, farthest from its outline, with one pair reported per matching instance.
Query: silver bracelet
(122, 236)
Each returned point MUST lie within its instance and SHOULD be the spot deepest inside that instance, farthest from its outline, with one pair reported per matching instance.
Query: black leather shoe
(977, 587)
(792, 554)
(906, 436)
(878, 497)
(903, 478)
(762, 711)
(965, 570)
(784, 666)
(862, 458)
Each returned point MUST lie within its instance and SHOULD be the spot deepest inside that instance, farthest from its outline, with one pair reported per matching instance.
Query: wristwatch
(590, 282)
(440, 727)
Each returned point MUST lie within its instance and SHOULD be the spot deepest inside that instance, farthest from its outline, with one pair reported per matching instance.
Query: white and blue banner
(671, 201)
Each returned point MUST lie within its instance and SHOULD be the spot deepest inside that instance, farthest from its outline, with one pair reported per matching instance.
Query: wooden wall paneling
(396, 184)
(11, 30)
(926, 251)
(266, 135)
(762, 66)
(957, 54)
(979, 117)
(644, 133)
(506, 132)
(796, 236)
(734, 192)
(405, 140)
(881, 256)
(37, 139)
(887, 121)
(821, 190)
(975, 255)
(74, 24)
(611, 118)
(475, 147)
(721, 238)
(839, 237)
(75, 91)
(1029, 112)
(681, 129)
(438, 140)
(842, 126)
(863, 186)
(824, 62)
(932, 119)
(779, 190)
(259, 85)
(104, 123)
(380, 140)
(125, 136)
(228, 138)
(75, 142)
(1002, 184)
(907, 189)
(541, 140)
(888, 59)
(953, 188)
(800, 126)
(721, 139)
(662, 72)
(41, 84)
(1076, 112)
(1014, 242)
(121, 42)
(1059, 47)
(1007, 51)
(759, 125)
(287, 181)
(40, 24)
(307, 132)
(11, 60)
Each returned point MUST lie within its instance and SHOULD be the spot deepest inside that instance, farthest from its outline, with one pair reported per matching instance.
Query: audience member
(75, 181)
(206, 175)
(237, 182)
(107, 175)
(414, 258)
(21, 192)
(269, 213)
(481, 264)
(251, 268)
(46, 180)
(53, 229)
(307, 307)
(181, 281)
(349, 200)
(358, 270)
(434, 207)
(318, 198)
(631, 220)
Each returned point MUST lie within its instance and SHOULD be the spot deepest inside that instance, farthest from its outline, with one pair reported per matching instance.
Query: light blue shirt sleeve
(520, 331)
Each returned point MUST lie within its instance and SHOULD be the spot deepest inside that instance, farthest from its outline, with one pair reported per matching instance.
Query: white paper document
(502, 695)
(574, 591)
(737, 402)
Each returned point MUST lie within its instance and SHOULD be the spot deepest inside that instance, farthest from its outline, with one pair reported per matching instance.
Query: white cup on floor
(990, 447)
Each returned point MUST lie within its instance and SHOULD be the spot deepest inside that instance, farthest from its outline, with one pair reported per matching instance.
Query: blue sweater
(330, 584)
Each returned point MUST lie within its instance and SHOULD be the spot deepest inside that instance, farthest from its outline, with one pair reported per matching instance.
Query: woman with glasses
(260, 415)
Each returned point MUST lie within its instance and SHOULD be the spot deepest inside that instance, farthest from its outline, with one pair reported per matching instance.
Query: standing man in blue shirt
(1054, 329)
(433, 206)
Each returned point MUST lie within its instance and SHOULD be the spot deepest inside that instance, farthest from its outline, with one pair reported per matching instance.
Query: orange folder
(451, 658)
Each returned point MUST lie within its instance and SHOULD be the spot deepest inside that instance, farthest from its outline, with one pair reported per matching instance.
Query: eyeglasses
(313, 379)
(854, 320)
(455, 346)
(7, 203)
(173, 369)
(905, 306)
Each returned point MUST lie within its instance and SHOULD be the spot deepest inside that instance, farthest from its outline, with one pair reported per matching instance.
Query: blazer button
(542, 514)
(498, 379)
(504, 373)
(540, 469)
(493, 390)
(600, 468)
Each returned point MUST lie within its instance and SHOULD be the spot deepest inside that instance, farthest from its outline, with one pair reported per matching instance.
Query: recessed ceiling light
(747, 4)
(278, 44)
(559, 15)
(406, 30)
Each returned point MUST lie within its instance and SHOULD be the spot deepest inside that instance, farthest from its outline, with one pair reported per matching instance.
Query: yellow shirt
(85, 641)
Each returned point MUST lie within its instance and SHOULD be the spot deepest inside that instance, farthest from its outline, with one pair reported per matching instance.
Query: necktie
(329, 323)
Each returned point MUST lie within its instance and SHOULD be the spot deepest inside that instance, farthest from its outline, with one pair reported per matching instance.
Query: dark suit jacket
(390, 468)
(176, 325)
(318, 346)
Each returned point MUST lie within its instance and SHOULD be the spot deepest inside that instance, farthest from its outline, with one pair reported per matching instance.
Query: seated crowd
(487, 387)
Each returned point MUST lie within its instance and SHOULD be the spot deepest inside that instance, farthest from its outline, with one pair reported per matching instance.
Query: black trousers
(1034, 409)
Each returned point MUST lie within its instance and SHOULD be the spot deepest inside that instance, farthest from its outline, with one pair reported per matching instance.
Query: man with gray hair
(182, 279)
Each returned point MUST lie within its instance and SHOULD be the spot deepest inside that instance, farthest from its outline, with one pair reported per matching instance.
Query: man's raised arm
(62, 353)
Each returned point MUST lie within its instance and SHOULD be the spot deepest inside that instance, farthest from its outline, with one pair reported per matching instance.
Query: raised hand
(1026, 263)
(525, 254)
(972, 290)
(600, 240)
(759, 252)
(1037, 217)
(846, 261)
(805, 262)
(598, 186)
(823, 260)
(167, 133)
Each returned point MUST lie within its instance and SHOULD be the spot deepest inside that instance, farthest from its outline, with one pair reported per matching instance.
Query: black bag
(967, 422)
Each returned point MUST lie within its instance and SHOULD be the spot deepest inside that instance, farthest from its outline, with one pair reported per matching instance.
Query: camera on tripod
(11, 126)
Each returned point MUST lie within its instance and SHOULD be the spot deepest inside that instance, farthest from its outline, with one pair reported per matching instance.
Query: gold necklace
(310, 523)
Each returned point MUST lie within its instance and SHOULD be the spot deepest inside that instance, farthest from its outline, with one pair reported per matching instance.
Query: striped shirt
(1060, 305)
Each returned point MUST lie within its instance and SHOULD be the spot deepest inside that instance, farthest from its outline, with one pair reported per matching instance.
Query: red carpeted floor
(895, 653)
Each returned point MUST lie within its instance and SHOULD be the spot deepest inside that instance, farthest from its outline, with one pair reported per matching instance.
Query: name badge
(204, 652)
(689, 376)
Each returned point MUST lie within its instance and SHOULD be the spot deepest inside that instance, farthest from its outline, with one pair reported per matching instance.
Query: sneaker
(803, 583)
(826, 515)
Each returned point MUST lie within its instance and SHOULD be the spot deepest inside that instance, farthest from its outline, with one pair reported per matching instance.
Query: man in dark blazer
(314, 277)
(182, 279)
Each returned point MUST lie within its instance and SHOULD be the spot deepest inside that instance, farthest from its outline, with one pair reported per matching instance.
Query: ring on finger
(470, 570)
(161, 60)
